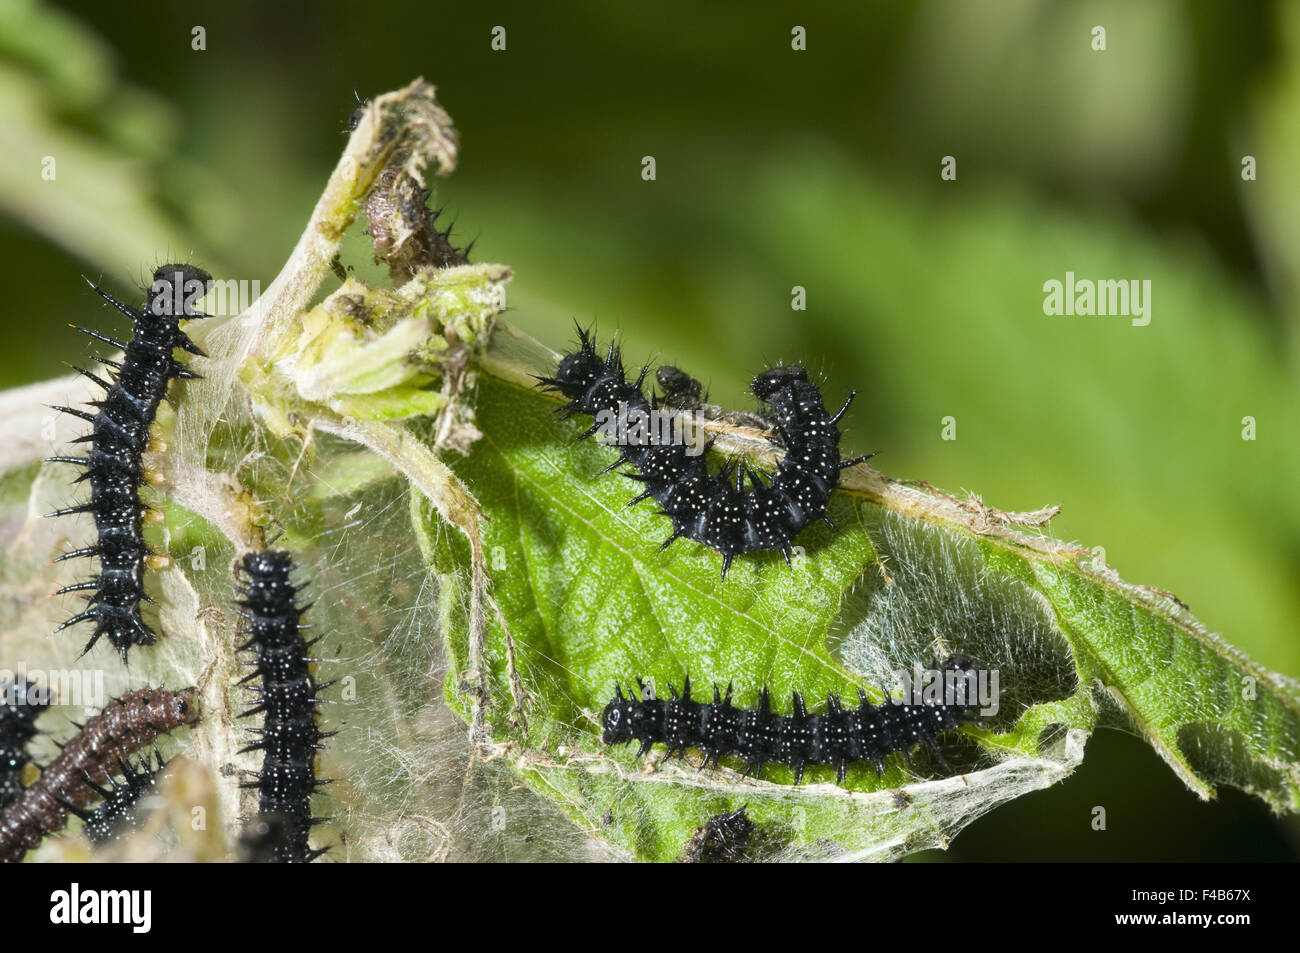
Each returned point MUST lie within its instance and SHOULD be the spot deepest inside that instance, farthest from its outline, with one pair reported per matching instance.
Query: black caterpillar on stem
(290, 736)
(840, 736)
(118, 437)
(712, 508)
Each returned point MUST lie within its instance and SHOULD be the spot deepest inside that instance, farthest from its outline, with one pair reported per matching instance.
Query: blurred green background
(778, 168)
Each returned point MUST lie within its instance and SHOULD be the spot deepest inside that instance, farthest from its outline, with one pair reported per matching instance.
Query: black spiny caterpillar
(290, 736)
(840, 736)
(118, 436)
(21, 702)
(117, 813)
(712, 508)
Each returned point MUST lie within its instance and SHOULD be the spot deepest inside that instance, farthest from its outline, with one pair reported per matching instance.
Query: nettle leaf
(586, 599)
(347, 430)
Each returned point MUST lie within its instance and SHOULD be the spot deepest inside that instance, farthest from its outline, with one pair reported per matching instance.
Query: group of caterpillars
(717, 509)
(96, 763)
(406, 236)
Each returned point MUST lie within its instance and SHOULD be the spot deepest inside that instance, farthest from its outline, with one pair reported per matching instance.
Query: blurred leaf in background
(778, 168)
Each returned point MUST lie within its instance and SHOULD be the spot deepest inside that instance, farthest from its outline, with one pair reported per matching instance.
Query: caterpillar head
(162, 709)
(583, 367)
(578, 373)
(678, 387)
(579, 370)
(175, 290)
(776, 379)
(617, 719)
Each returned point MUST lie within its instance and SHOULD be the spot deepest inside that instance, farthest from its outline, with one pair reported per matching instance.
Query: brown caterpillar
(404, 229)
(124, 727)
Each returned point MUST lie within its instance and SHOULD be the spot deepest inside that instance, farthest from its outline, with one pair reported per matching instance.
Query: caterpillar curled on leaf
(715, 509)
(125, 726)
(117, 812)
(21, 703)
(118, 436)
(839, 736)
(290, 736)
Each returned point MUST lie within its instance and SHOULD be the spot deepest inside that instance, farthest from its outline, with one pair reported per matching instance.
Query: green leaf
(588, 600)
(343, 430)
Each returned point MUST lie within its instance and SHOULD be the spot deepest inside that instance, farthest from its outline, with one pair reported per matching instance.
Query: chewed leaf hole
(933, 594)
